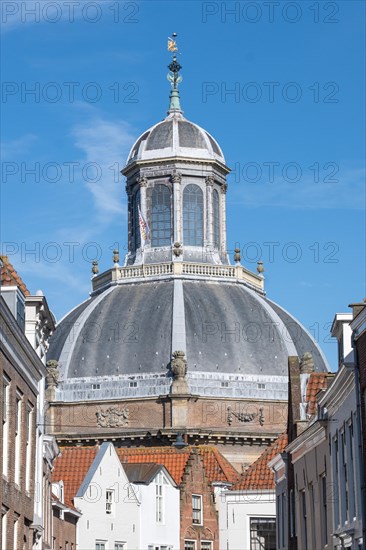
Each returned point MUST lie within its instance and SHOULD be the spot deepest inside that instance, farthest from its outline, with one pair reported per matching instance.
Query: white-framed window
(18, 434)
(197, 509)
(109, 501)
(119, 545)
(324, 509)
(29, 431)
(100, 545)
(159, 498)
(4, 524)
(5, 445)
(304, 520)
(206, 544)
(16, 527)
(263, 533)
(190, 545)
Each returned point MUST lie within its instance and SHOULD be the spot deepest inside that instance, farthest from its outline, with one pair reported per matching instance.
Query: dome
(121, 341)
(175, 136)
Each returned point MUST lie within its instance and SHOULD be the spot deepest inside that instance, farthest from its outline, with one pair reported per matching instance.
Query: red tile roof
(71, 468)
(9, 277)
(73, 464)
(317, 381)
(259, 476)
(217, 468)
(174, 461)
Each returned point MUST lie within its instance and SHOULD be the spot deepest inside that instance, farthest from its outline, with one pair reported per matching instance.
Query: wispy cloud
(105, 145)
(346, 193)
(12, 149)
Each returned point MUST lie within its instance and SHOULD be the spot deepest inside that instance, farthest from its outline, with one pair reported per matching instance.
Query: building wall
(22, 370)
(208, 421)
(64, 531)
(308, 498)
(153, 533)
(235, 510)
(195, 483)
(341, 403)
(95, 524)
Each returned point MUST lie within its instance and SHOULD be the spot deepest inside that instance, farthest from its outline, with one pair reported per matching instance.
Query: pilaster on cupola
(177, 201)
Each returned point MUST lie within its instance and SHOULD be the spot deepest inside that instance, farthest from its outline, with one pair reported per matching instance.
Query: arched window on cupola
(216, 218)
(193, 215)
(135, 227)
(161, 225)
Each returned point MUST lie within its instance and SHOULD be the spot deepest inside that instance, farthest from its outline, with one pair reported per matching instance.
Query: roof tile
(10, 277)
(259, 476)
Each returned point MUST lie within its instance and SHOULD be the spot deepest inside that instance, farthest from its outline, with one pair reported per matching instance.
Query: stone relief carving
(113, 417)
(210, 180)
(245, 417)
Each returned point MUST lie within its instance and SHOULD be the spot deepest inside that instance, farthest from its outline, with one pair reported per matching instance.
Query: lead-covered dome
(175, 136)
(120, 343)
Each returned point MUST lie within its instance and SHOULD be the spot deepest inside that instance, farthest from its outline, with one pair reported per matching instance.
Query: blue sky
(280, 85)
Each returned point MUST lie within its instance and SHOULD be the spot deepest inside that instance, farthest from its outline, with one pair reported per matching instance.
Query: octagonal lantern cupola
(176, 187)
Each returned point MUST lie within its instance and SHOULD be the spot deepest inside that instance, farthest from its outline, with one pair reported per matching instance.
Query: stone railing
(186, 270)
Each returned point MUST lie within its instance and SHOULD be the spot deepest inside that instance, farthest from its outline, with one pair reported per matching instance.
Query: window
(304, 523)
(109, 494)
(197, 509)
(119, 546)
(336, 481)
(312, 509)
(216, 218)
(262, 533)
(100, 544)
(344, 479)
(189, 545)
(161, 216)
(5, 445)
(18, 429)
(4, 522)
(135, 225)
(350, 465)
(29, 431)
(193, 215)
(292, 514)
(206, 545)
(159, 497)
(324, 510)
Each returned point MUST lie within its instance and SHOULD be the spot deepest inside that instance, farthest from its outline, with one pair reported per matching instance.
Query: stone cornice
(341, 387)
(186, 160)
(309, 439)
(358, 325)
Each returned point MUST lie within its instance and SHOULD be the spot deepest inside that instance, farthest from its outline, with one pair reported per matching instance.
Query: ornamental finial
(174, 77)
